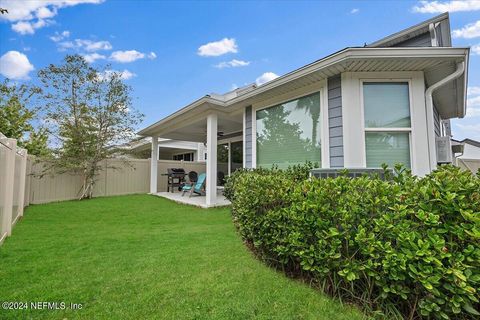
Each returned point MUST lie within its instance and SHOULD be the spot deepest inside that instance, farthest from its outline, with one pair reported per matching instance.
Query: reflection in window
(289, 133)
(236, 156)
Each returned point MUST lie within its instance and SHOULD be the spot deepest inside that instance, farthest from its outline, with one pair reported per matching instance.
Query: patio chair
(196, 187)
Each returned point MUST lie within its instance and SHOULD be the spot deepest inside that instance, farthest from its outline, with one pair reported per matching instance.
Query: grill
(176, 178)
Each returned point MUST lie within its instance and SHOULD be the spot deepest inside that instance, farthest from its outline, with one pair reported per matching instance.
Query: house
(386, 102)
(168, 149)
(471, 149)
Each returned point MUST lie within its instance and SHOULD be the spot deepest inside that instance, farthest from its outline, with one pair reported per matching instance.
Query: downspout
(429, 107)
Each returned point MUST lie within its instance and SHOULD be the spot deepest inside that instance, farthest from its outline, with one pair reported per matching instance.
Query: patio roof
(436, 62)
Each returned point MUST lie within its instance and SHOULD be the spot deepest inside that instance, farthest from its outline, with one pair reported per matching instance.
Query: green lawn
(141, 257)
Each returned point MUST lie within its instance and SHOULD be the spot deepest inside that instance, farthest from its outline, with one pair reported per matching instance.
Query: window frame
(322, 90)
(408, 130)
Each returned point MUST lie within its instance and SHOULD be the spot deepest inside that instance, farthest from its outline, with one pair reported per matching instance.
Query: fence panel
(117, 177)
(13, 162)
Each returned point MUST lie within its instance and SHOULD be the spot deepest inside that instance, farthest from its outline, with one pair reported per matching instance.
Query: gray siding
(422, 40)
(335, 121)
(436, 121)
(248, 137)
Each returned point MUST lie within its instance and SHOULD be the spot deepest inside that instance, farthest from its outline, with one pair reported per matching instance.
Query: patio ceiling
(436, 62)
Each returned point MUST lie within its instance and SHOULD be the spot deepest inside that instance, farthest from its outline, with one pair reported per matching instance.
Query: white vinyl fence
(13, 164)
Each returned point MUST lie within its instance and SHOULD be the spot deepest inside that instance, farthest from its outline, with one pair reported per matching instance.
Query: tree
(90, 113)
(17, 116)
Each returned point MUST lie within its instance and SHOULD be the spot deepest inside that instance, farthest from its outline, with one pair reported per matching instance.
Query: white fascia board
(357, 53)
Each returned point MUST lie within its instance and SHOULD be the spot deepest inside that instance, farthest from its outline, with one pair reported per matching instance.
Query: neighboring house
(471, 149)
(168, 149)
(467, 154)
(386, 102)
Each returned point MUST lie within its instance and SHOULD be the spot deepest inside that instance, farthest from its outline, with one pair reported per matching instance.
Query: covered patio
(220, 131)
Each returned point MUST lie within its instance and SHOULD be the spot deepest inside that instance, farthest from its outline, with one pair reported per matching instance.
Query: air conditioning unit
(444, 149)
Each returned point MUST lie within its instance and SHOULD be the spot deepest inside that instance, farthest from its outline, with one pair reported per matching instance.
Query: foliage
(169, 261)
(403, 248)
(89, 112)
(17, 115)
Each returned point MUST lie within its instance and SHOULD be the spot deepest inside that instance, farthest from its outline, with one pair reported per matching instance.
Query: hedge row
(402, 248)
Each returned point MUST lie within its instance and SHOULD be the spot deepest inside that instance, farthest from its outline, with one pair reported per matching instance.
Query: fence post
(9, 178)
(23, 177)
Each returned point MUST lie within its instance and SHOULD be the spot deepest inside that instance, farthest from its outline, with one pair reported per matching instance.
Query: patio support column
(211, 159)
(154, 165)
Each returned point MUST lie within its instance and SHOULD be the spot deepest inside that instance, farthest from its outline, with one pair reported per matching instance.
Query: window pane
(386, 105)
(289, 133)
(222, 158)
(387, 147)
(236, 155)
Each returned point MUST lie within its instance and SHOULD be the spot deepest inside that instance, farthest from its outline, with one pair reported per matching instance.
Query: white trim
(211, 188)
(354, 123)
(244, 154)
(399, 129)
(325, 131)
(254, 137)
(154, 165)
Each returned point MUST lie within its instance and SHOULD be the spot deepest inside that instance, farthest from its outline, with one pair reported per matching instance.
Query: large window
(289, 133)
(387, 123)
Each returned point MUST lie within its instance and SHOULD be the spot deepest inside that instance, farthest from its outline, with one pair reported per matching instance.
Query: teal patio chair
(196, 187)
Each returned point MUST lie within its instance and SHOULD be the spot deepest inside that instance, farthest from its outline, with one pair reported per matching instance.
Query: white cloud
(476, 49)
(232, 64)
(473, 112)
(354, 10)
(25, 12)
(218, 48)
(151, 55)
(126, 56)
(472, 91)
(27, 27)
(45, 13)
(90, 45)
(444, 6)
(15, 65)
(473, 102)
(470, 129)
(266, 77)
(92, 57)
(60, 36)
(124, 75)
(85, 44)
(471, 30)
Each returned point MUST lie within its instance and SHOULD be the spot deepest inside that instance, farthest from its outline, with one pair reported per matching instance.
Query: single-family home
(386, 102)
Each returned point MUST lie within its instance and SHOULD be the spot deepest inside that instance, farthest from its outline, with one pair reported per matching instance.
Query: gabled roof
(441, 22)
(469, 141)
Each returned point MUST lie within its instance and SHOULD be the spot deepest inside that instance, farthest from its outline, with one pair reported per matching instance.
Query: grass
(144, 257)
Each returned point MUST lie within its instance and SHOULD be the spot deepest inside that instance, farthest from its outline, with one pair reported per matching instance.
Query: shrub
(404, 248)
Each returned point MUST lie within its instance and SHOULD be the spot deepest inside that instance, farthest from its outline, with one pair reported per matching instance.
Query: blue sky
(172, 53)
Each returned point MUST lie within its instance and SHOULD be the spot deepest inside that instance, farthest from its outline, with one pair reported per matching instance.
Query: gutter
(429, 107)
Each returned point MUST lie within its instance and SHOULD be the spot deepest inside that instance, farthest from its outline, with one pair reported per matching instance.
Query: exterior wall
(437, 122)
(470, 152)
(248, 138)
(422, 40)
(353, 123)
(117, 178)
(335, 126)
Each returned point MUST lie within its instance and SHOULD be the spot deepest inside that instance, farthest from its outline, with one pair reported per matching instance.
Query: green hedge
(402, 248)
